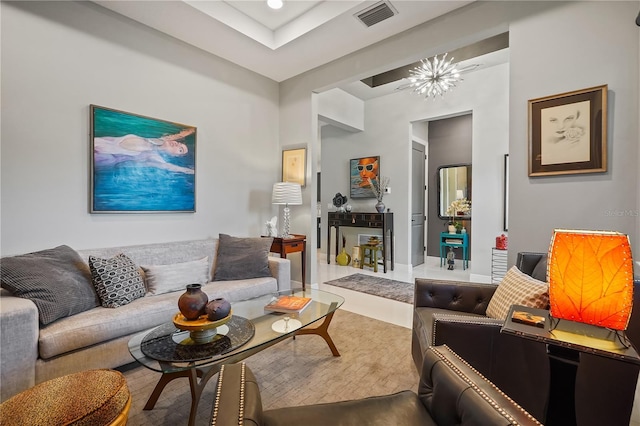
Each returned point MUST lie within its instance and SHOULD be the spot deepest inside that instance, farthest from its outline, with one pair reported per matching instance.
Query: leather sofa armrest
(19, 331)
(453, 295)
(527, 261)
(281, 271)
(237, 397)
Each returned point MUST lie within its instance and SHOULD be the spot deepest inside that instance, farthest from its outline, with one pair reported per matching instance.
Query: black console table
(382, 221)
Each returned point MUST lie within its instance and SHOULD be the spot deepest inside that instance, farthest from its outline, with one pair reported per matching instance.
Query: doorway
(418, 216)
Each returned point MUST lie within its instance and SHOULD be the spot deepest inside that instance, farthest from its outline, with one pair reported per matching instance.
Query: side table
(593, 374)
(296, 244)
(455, 241)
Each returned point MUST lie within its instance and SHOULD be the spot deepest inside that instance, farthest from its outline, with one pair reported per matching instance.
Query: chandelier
(435, 76)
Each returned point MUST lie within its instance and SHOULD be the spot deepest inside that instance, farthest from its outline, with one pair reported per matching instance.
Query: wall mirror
(454, 182)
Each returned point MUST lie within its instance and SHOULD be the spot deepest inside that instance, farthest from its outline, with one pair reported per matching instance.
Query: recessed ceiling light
(274, 4)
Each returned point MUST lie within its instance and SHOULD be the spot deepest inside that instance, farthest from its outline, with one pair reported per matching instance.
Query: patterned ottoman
(94, 397)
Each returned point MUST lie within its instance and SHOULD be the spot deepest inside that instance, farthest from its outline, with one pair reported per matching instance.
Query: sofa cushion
(117, 280)
(540, 271)
(56, 280)
(517, 288)
(166, 278)
(100, 325)
(242, 258)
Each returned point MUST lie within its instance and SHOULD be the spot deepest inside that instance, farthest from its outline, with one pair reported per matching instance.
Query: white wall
(555, 47)
(387, 133)
(59, 57)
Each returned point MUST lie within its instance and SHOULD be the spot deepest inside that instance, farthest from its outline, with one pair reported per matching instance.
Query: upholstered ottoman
(94, 397)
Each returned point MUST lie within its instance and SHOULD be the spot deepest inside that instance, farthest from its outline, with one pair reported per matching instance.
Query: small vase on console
(192, 302)
(380, 207)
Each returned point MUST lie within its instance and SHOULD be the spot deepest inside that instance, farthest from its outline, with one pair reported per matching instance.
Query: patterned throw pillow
(167, 278)
(517, 288)
(117, 280)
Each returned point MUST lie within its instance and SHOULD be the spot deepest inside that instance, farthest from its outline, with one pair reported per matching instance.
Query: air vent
(376, 13)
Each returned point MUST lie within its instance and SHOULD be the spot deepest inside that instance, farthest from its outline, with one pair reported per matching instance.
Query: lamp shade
(591, 277)
(286, 193)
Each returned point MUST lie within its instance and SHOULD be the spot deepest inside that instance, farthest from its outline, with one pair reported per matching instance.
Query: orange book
(288, 304)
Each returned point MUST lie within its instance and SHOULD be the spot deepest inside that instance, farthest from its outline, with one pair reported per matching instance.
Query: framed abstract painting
(568, 133)
(140, 164)
(362, 171)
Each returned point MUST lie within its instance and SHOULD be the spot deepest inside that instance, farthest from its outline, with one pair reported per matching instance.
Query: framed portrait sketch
(140, 164)
(568, 133)
(293, 166)
(361, 172)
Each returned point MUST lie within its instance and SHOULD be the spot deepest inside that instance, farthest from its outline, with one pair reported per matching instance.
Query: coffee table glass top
(253, 325)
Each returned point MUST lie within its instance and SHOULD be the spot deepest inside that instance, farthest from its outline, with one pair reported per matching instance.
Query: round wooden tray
(202, 323)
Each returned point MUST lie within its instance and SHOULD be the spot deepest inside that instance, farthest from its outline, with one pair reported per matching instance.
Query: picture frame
(294, 166)
(360, 171)
(568, 133)
(140, 164)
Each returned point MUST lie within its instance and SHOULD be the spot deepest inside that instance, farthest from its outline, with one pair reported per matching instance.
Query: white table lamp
(286, 193)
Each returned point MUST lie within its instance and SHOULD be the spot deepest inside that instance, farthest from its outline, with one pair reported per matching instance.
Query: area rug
(382, 287)
(375, 359)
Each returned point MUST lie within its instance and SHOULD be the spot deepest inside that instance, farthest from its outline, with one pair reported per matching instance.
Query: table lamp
(591, 277)
(287, 193)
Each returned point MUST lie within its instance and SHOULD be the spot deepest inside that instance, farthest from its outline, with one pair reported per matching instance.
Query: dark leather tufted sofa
(453, 313)
(450, 393)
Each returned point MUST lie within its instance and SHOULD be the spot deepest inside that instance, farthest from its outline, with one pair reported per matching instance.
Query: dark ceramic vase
(192, 302)
(218, 309)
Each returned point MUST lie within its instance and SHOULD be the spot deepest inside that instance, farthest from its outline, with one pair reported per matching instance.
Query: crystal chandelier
(435, 76)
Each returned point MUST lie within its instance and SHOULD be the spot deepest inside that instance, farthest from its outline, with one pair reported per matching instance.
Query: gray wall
(59, 57)
(450, 142)
(552, 51)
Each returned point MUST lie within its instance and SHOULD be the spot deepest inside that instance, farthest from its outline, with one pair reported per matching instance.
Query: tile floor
(397, 312)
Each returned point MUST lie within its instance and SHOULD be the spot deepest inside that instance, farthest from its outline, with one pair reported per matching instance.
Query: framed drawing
(293, 166)
(568, 133)
(361, 172)
(140, 164)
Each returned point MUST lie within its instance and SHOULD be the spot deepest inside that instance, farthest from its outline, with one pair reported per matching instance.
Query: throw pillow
(56, 280)
(117, 280)
(540, 271)
(167, 278)
(517, 288)
(242, 258)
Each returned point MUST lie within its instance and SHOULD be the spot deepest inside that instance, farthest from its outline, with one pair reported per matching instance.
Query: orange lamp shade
(591, 277)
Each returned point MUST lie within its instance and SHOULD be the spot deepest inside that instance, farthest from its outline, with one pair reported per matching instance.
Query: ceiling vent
(376, 13)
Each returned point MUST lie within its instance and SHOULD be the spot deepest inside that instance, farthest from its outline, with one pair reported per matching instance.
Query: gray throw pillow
(242, 258)
(56, 280)
(117, 280)
(167, 278)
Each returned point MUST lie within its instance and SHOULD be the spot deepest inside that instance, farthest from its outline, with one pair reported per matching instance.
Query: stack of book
(288, 304)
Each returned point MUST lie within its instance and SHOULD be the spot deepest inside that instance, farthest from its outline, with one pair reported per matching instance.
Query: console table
(455, 241)
(382, 221)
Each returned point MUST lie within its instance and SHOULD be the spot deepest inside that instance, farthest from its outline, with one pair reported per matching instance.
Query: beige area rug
(375, 360)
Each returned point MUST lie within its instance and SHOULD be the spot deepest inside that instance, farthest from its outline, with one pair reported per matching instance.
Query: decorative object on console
(568, 133)
(502, 242)
(271, 226)
(435, 76)
(293, 166)
(362, 171)
(591, 277)
(286, 193)
(140, 164)
(338, 202)
(117, 280)
(242, 258)
(379, 186)
(192, 303)
(217, 309)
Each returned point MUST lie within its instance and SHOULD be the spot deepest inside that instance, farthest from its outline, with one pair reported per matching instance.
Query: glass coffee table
(170, 351)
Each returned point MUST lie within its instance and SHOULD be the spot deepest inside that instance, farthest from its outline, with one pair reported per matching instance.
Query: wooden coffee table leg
(323, 331)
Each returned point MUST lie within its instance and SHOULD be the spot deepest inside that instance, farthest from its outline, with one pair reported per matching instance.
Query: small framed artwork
(140, 164)
(568, 133)
(362, 172)
(293, 166)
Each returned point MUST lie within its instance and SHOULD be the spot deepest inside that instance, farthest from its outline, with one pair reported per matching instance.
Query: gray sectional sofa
(31, 353)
